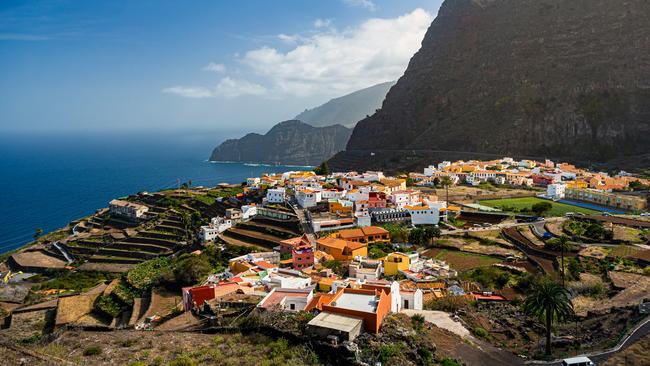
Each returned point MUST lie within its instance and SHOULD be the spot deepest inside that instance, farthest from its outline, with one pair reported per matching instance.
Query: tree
(549, 302)
(188, 270)
(423, 235)
(446, 182)
(323, 169)
(540, 208)
(37, 233)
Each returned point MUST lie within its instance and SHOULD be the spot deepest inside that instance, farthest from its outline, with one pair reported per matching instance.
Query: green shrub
(417, 321)
(480, 332)
(108, 305)
(30, 340)
(388, 351)
(449, 362)
(183, 360)
(144, 275)
(92, 351)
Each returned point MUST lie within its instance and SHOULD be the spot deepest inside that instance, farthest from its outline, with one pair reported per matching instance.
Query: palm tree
(549, 302)
(446, 182)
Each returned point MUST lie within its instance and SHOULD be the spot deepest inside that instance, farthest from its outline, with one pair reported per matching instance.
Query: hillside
(290, 142)
(564, 79)
(348, 109)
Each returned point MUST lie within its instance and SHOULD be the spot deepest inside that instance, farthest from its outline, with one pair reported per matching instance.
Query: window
(292, 306)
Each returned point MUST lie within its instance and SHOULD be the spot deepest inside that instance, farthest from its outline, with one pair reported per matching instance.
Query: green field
(522, 204)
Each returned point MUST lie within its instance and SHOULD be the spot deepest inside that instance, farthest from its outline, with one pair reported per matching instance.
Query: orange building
(370, 305)
(342, 250)
(368, 234)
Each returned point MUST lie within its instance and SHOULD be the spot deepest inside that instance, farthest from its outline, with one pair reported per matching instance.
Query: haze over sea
(50, 180)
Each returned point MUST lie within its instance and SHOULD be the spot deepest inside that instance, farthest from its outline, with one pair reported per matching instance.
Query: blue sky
(201, 65)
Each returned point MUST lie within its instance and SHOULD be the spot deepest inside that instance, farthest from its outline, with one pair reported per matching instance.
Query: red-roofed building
(287, 246)
(488, 297)
(376, 200)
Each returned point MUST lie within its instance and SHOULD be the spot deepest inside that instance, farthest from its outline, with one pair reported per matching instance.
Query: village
(429, 267)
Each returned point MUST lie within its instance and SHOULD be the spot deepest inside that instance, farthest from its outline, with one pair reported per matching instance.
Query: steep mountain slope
(290, 142)
(566, 79)
(348, 109)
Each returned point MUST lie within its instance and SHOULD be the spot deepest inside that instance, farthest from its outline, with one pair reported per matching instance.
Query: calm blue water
(48, 181)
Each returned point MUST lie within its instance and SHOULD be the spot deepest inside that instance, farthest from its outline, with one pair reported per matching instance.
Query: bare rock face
(564, 79)
(289, 142)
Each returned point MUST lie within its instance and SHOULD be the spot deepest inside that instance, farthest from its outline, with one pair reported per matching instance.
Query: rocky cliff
(290, 143)
(566, 79)
(348, 109)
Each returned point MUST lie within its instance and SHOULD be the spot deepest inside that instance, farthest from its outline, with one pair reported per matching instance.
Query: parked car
(645, 214)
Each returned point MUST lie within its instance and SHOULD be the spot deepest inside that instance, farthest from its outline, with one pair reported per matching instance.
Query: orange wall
(371, 321)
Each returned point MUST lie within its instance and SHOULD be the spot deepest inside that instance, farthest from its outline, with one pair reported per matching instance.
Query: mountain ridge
(289, 142)
(553, 78)
(348, 109)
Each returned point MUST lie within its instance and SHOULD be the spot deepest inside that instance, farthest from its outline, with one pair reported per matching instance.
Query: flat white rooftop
(361, 302)
(338, 322)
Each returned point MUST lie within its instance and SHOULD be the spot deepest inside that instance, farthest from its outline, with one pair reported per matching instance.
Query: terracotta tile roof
(265, 264)
(332, 243)
(351, 233)
(374, 230)
(355, 246)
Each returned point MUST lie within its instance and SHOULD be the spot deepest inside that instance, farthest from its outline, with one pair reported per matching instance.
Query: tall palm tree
(549, 302)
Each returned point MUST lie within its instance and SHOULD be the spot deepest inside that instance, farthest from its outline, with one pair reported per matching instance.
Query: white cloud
(214, 67)
(324, 62)
(189, 91)
(293, 38)
(226, 88)
(376, 51)
(322, 23)
(368, 4)
(230, 88)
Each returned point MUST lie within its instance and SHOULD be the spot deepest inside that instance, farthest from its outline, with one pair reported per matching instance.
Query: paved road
(639, 332)
(302, 215)
(498, 226)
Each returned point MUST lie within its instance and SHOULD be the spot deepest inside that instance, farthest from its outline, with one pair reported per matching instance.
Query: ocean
(49, 180)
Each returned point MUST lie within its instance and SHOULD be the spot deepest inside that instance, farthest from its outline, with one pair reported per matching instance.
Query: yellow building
(576, 184)
(340, 207)
(614, 200)
(240, 266)
(395, 262)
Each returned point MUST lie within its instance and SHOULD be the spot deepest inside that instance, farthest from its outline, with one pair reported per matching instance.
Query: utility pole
(563, 242)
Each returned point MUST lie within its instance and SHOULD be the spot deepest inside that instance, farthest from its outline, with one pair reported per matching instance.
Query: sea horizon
(52, 179)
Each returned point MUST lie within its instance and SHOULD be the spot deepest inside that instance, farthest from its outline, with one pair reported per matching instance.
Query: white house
(555, 191)
(253, 182)
(217, 225)
(356, 195)
(286, 299)
(426, 214)
(130, 210)
(332, 194)
(401, 199)
(275, 195)
(411, 299)
(208, 233)
(286, 278)
(428, 171)
(443, 165)
(308, 198)
(248, 211)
